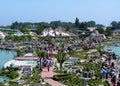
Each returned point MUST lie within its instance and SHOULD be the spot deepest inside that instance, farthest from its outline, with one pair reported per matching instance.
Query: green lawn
(45, 85)
(80, 54)
(69, 80)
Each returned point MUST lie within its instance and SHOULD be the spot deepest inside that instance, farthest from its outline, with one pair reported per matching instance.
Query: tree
(83, 26)
(25, 30)
(41, 26)
(76, 22)
(100, 30)
(99, 25)
(91, 24)
(39, 30)
(20, 52)
(29, 37)
(108, 31)
(61, 57)
(40, 54)
(55, 24)
(14, 25)
(114, 24)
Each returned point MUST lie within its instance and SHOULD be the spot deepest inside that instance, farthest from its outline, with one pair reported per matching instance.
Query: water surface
(6, 55)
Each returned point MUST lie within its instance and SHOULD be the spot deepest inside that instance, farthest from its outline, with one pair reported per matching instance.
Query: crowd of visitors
(109, 69)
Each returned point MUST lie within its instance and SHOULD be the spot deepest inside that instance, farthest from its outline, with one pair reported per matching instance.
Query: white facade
(91, 28)
(19, 63)
(2, 36)
(56, 32)
(18, 34)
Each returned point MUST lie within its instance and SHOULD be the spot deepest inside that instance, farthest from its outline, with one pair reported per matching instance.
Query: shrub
(11, 83)
(13, 75)
(2, 84)
(63, 76)
(106, 83)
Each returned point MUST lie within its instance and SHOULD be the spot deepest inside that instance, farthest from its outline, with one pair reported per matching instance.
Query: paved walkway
(47, 77)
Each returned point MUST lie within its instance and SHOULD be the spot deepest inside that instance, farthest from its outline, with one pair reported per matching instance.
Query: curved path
(47, 77)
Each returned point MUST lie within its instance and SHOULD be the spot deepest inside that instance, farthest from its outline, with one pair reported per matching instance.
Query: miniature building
(88, 74)
(27, 70)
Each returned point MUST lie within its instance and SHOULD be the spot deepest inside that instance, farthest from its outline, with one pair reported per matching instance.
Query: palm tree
(61, 57)
(41, 55)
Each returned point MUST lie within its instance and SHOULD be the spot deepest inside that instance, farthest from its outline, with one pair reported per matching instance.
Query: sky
(101, 11)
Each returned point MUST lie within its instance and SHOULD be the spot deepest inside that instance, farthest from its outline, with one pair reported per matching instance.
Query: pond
(6, 55)
(114, 48)
(4, 79)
